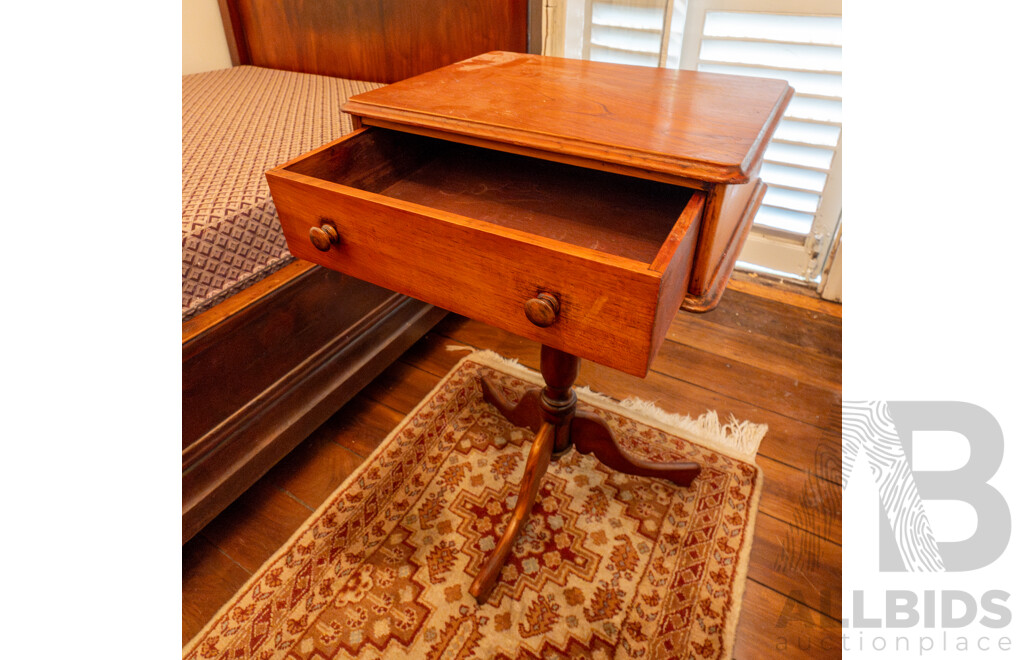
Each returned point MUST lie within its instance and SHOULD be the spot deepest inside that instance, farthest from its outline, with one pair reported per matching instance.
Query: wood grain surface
(707, 126)
(691, 129)
(376, 40)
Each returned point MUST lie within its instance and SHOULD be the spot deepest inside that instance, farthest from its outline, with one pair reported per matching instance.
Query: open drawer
(589, 262)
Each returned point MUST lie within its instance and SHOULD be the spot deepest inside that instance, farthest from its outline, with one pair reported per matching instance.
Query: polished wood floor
(764, 356)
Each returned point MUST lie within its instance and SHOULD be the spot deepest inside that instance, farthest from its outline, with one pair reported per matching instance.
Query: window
(796, 40)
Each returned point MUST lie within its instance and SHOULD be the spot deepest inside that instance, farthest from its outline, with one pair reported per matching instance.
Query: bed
(272, 346)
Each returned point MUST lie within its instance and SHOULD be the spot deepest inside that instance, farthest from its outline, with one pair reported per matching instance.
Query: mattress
(236, 124)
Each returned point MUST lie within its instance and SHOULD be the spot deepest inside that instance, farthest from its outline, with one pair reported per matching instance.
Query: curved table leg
(526, 413)
(536, 466)
(591, 435)
(551, 413)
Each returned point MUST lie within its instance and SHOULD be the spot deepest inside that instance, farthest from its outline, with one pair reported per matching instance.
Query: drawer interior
(611, 213)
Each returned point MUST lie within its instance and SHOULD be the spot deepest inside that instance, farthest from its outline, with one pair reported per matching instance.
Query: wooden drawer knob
(324, 236)
(542, 310)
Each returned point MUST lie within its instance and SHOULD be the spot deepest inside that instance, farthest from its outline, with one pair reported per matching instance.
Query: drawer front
(606, 305)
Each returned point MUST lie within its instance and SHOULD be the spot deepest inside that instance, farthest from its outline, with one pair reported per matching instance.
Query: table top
(705, 126)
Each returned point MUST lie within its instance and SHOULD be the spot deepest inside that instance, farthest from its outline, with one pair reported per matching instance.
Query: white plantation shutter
(799, 41)
(627, 31)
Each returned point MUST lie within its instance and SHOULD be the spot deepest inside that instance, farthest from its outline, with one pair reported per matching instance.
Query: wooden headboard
(375, 40)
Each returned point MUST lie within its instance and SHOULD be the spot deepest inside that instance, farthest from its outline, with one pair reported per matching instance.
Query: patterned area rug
(609, 565)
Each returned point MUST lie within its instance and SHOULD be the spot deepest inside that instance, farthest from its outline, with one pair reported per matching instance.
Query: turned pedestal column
(551, 413)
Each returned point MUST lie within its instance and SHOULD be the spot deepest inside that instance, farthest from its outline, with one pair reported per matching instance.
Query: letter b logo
(883, 431)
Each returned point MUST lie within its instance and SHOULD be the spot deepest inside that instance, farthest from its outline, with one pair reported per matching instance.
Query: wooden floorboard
(780, 323)
(761, 357)
(798, 363)
(208, 578)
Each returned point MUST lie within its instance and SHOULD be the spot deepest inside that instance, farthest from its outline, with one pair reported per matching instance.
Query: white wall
(203, 44)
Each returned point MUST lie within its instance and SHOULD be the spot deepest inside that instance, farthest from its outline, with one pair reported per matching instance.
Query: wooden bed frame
(266, 367)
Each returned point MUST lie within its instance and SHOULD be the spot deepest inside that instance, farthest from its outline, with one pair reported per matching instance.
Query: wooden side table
(575, 203)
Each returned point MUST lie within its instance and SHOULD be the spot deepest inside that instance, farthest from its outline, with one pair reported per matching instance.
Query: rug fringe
(741, 436)
(490, 356)
(736, 438)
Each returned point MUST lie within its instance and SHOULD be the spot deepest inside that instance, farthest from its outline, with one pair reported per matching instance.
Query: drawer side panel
(708, 282)
(677, 270)
(728, 207)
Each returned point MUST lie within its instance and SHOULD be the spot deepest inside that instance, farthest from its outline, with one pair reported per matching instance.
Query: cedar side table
(575, 203)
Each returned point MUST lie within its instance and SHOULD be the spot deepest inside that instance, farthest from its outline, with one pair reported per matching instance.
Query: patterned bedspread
(236, 124)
